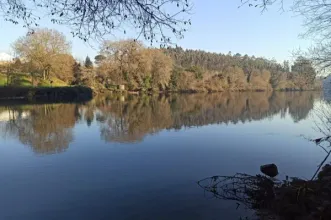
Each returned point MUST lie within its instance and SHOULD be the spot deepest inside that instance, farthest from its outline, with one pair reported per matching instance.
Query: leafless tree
(262, 4)
(155, 20)
(317, 21)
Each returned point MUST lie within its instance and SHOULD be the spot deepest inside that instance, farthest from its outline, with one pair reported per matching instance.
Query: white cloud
(5, 57)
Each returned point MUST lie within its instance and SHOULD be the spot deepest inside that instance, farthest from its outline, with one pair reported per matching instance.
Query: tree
(153, 20)
(160, 70)
(88, 76)
(260, 80)
(77, 70)
(317, 21)
(266, 77)
(99, 58)
(286, 66)
(126, 56)
(62, 67)
(304, 72)
(223, 72)
(129, 62)
(88, 63)
(41, 48)
(197, 71)
(235, 78)
(14, 68)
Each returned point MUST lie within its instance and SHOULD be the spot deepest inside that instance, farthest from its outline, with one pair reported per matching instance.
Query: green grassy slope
(26, 81)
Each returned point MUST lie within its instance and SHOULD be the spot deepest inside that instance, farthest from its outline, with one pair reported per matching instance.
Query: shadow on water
(49, 128)
(291, 198)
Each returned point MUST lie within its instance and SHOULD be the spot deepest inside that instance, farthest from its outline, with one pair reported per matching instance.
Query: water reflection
(48, 128)
(290, 198)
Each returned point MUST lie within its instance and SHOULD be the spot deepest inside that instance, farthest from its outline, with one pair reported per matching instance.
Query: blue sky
(217, 26)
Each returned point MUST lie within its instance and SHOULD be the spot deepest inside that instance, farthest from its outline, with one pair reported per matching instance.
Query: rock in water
(269, 170)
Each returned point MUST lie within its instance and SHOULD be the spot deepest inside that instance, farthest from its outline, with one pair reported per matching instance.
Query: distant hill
(5, 57)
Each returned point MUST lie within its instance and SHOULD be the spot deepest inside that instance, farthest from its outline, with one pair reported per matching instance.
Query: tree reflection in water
(49, 128)
(46, 128)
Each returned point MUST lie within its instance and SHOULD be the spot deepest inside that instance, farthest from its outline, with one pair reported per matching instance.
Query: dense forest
(44, 59)
(129, 118)
(218, 72)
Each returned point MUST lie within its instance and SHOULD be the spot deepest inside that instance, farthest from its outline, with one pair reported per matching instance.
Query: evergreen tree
(77, 69)
(88, 62)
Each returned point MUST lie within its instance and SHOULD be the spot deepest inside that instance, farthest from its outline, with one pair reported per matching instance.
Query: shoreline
(46, 94)
(200, 91)
(82, 93)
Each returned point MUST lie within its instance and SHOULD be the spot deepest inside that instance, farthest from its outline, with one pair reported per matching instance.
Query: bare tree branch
(155, 20)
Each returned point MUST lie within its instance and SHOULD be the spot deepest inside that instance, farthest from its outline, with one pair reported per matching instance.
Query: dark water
(140, 157)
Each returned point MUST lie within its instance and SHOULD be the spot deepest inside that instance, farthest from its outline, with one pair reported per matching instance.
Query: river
(140, 157)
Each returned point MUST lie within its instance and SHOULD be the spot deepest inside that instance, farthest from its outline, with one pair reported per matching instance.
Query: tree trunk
(32, 79)
(8, 79)
(44, 74)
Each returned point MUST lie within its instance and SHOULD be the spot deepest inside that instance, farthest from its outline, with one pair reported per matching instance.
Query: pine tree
(88, 62)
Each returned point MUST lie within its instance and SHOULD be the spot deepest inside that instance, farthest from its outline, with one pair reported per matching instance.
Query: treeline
(44, 56)
(216, 71)
(127, 118)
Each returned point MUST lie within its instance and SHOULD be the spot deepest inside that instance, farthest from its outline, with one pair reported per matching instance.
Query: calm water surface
(138, 158)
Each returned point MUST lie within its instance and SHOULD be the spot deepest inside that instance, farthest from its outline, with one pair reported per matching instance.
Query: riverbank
(138, 92)
(292, 198)
(83, 93)
(46, 94)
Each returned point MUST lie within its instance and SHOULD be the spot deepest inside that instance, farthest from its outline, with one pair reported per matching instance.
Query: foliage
(129, 62)
(44, 56)
(40, 49)
(3, 80)
(99, 58)
(304, 72)
(62, 67)
(198, 72)
(175, 74)
(77, 71)
(161, 67)
(237, 72)
(88, 63)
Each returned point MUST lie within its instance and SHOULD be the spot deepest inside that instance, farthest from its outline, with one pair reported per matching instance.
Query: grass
(24, 80)
(55, 83)
(20, 80)
(3, 80)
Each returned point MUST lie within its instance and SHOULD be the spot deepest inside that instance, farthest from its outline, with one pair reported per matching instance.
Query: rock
(269, 170)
